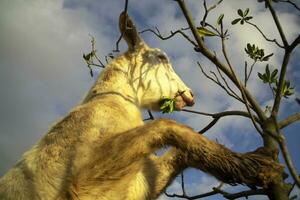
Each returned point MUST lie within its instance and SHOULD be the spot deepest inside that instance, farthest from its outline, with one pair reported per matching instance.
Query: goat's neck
(114, 85)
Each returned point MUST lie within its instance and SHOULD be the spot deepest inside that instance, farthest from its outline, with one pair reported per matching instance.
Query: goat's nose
(188, 97)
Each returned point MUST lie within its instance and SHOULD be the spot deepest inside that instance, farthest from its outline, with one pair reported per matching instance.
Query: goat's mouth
(183, 99)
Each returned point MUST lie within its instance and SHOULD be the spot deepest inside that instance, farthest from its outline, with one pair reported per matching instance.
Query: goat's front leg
(167, 166)
(201, 153)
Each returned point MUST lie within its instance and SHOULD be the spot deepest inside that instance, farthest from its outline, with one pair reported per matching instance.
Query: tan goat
(102, 150)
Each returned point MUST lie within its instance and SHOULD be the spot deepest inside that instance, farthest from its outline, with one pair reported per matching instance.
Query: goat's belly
(130, 188)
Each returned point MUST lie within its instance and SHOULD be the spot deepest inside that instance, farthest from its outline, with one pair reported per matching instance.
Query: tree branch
(239, 85)
(217, 116)
(223, 114)
(295, 43)
(207, 10)
(211, 124)
(281, 83)
(217, 62)
(292, 3)
(172, 33)
(266, 38)
(245, 194)
(228, 90)
(151, 117)
(289, 120)
(288, 160)
(278, 25)
(224, 80)
(218, 190)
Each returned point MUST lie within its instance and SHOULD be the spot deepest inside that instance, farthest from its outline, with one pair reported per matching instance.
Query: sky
(43, 75)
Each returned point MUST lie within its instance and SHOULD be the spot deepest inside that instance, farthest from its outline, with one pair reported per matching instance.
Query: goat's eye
(162, 57)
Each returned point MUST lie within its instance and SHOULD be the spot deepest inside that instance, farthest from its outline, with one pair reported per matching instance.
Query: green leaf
(240, 12)
(220, 19)
(248, 18)
(260, 76)
(273, 78)
(274, 73)
(235, 21)
(266, 58)
(167, 105)
(249, 46)
(205, 32)
(246, 12)
(267, 71)
(287, 89)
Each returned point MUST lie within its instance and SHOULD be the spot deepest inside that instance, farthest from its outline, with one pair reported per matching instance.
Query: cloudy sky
(43, 75)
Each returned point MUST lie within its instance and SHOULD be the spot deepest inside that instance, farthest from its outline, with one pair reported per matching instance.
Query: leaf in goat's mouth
(167, 104)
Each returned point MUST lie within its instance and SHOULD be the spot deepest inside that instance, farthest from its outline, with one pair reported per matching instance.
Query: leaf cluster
(167, 105)
(270, 77)
(243, 17)
(287, 89)
(257, 54)
(89, 60)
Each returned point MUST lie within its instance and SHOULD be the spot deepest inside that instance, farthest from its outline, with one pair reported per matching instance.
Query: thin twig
(219, 83)
(93, 41)
(185, 196)
(172, 33)
(248, 75)
(207, 10)
(209, 55)
(151, 117)
(182, 184)
(218, 190)
(245, 194)
(226, 83)
(295, 43)
(266, 38)
(293, 186)
(211, 124)
(278, 25)
(217, 116)
(245, 73)
(224, 114)
(239, 84)
(273, 93)
(292, 3)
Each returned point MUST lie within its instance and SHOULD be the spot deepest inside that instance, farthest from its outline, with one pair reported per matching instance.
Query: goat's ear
(129, 32)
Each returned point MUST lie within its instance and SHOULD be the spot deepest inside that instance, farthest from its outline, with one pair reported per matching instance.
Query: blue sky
(42, 74)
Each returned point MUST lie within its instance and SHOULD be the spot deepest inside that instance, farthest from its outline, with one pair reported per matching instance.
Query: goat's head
(152, 75)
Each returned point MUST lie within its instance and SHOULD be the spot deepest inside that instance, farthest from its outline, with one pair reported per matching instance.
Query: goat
(102, 150)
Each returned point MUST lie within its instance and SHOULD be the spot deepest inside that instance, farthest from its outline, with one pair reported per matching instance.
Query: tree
(266, 121)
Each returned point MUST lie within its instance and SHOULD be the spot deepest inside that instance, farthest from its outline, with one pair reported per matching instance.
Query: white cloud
(42, 72)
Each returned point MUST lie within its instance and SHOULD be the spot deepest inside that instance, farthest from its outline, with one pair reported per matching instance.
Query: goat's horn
(128, 30)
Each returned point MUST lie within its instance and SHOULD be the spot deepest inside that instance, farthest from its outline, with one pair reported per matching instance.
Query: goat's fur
(102, 150)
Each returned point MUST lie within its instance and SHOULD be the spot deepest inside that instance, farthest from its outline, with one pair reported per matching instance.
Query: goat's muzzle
(185, 98)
